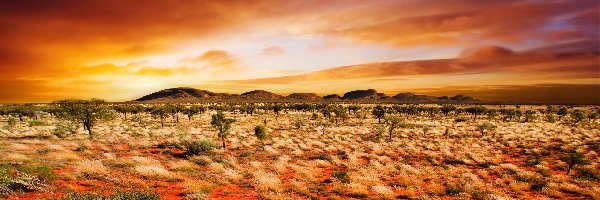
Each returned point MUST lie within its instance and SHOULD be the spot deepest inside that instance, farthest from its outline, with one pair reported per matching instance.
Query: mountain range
(190, 95)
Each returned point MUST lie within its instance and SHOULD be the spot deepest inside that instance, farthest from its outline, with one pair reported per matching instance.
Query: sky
(532, 51)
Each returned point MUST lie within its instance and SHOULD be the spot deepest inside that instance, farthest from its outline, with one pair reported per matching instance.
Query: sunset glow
(535, 51)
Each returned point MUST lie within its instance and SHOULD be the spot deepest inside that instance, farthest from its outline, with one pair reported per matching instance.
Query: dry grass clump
(383, 191)
(16, 159)
(145, 160)
(233, 175)
(154, 172)
(64, 156)
(197, 189)
(265, 181)
(92, 168)
(183, 165)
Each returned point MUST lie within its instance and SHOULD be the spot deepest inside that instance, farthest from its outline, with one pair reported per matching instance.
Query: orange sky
(536, 51)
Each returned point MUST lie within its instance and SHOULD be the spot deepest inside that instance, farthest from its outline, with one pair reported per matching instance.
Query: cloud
(273, 51)
(578, 59)
(216, 58)
(133, 69)
(509, 21)
(164, 71)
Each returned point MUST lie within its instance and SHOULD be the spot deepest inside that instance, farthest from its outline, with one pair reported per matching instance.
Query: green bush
(454, 189)
(20, 179)
(119, 195)
(11, 121)
(460, 119)
(82, 147)
(587, 173)
(198, 147)
(341, 176)
(64, 128)
(36, 122)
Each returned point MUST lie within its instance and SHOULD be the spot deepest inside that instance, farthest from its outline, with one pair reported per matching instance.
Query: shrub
(574, 159)
(321, 156)
(82, 147)
(198, 147)
(36, 122)
(11, 121)
(119, 195)
(64, 128)
(12, 180)
(587, 173)
(341, 176)
(454, 189)
(260, 131)
(41, 171)
(342, 154)
(460, 119)
(485, 126)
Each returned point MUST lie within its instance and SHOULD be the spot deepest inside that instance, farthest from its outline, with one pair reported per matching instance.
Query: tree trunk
(569, 169)
(379, 120)
(89, 129)
(190, 118)
(223, 140)
(162, 122)
(177, 116)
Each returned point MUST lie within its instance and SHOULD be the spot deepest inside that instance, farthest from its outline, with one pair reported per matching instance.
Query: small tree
(561, 112)
(87, 112)
(222, 125)
(160, 112)
(446, 109)
(577, 116)
(485, 126)
(194, 110)
(276, 108)
(530, 115)
(425, 128)
(476, 110)
(123, 109)
(574, 159)
(260, 131)
(392, 122)
(378, 112)
(298, 122)
(323, 124)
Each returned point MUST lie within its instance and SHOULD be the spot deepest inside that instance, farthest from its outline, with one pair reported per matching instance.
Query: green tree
(276, 108)
(561, 112)
(577, 116)
(574, 159)
(194, 110)
(222, 125)
(174, 110)
(485, 126)
(392, 122)
(87, 112)
(160, 112)
(123, 109)
(446, 109)
(260, 131)
(378, 112)
(341, 113)
(530, 115)
(476, 110)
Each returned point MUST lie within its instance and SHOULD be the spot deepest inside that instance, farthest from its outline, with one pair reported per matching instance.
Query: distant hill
(260, 94)
(186, 94)
(305, 96)
(182, 94)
